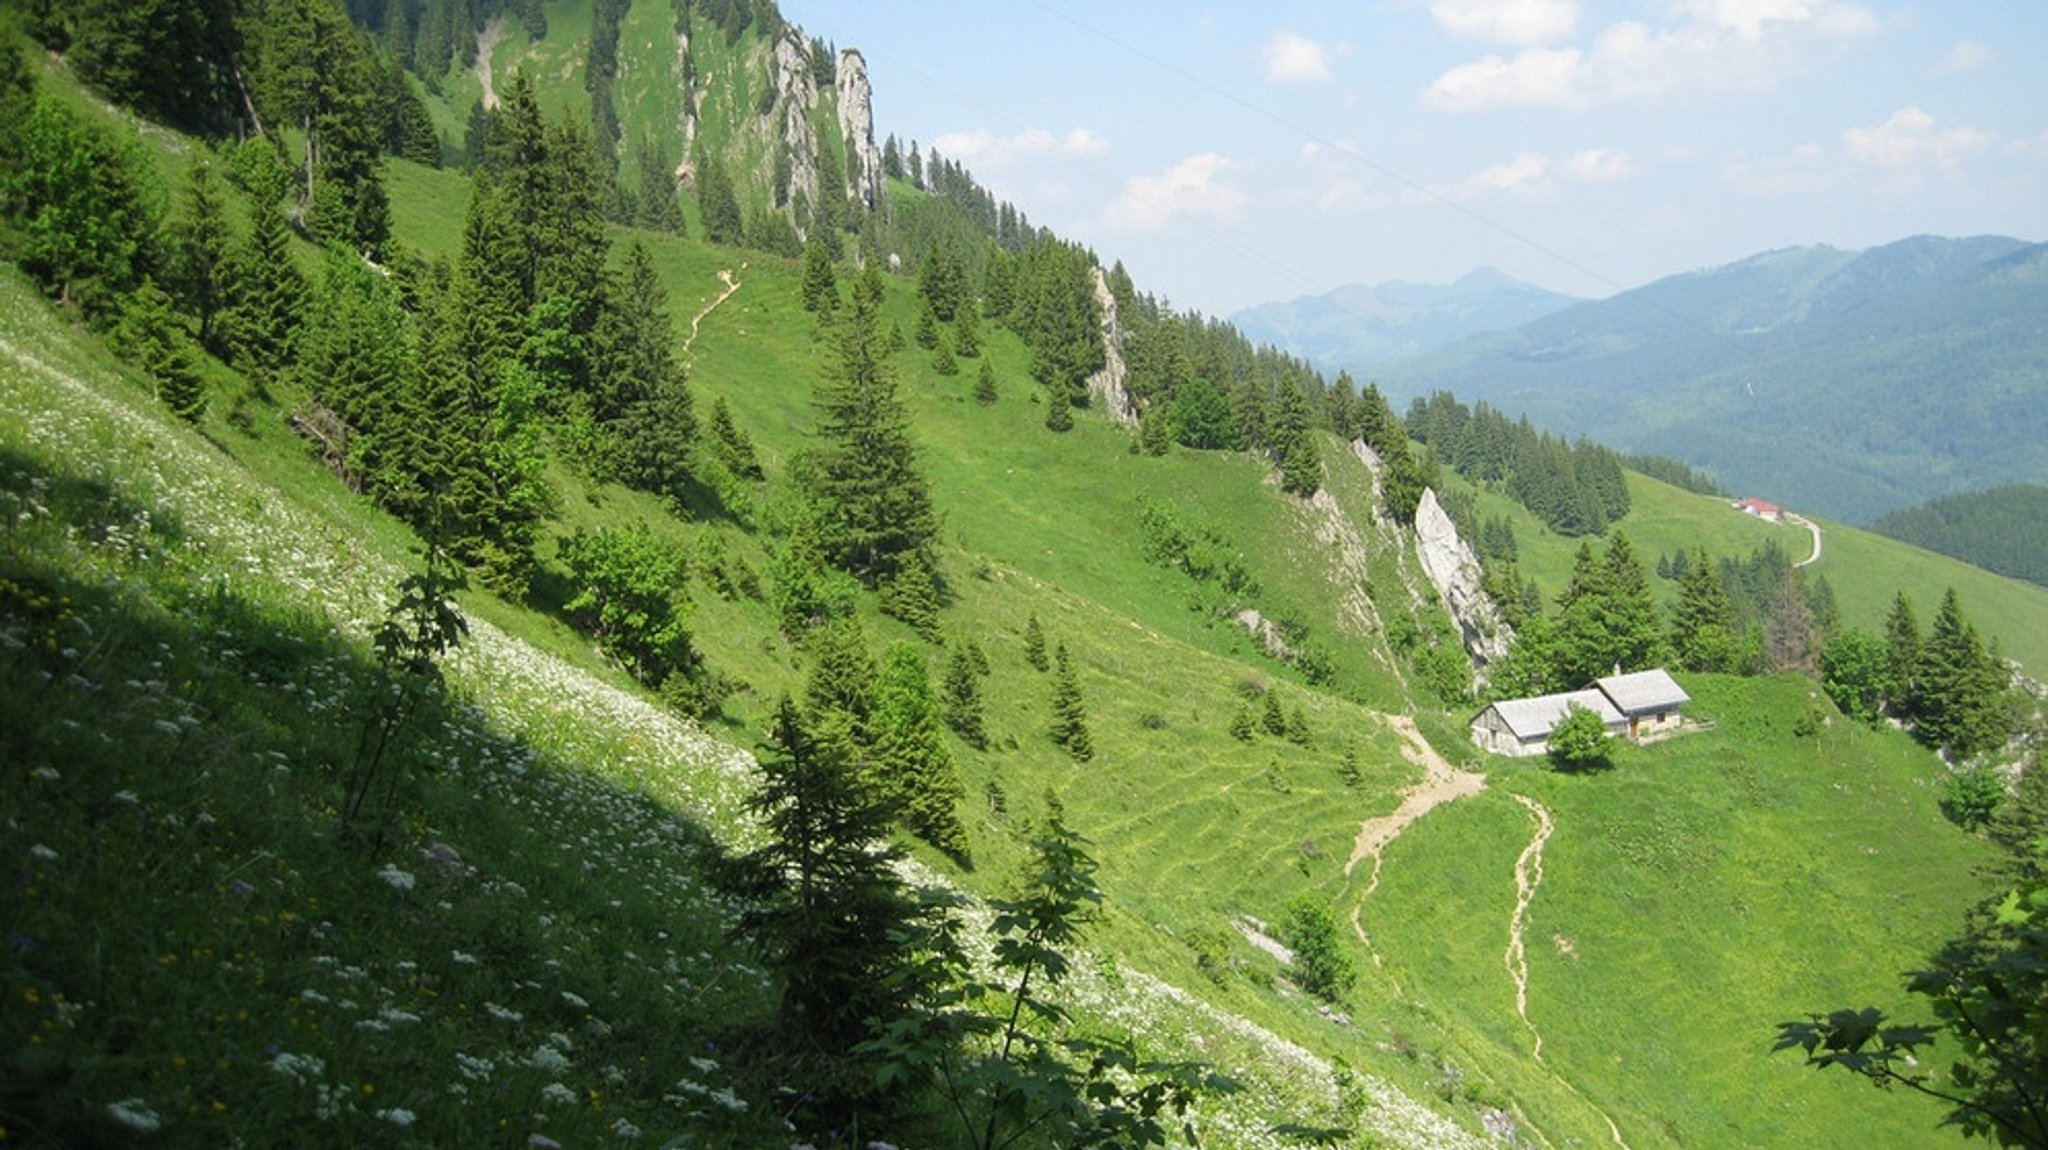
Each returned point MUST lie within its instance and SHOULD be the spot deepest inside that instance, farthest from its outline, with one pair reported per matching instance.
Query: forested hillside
(1843, 384)
(2004, 529)
(554, 588)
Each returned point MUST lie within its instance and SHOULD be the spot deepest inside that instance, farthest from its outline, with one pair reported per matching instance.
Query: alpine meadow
(561, 585)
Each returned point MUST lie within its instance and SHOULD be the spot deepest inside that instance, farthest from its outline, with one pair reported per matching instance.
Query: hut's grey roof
(1641, 692)
(1535, 718)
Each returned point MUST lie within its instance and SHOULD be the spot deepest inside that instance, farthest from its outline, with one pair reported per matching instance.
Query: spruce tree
(1241, 726)
(960, 697)
(1034, 643)
(642, 403)
(1902, 648)
(1703, 634)
(200, 247)
(1271, 718)
(731, 445)
(985, 384)
(911, 761)
(1293, 441)
(266, 295)
(821, 284)
(966, 332)
(878, 512)
(1069, 713)
(151, 335)
(825, 902)
(839, 698)
(1961, 688)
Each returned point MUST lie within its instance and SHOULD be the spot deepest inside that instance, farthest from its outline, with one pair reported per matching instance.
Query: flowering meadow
(194, 954)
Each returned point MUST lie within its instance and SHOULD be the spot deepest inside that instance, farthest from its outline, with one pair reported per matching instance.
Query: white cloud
(984, 147)
(1191, 187)
(1909, 141)
(1717, 45)
(1507, 21)
(1537, 77)
(1966, 56)
(1599, 166)
(1292, 58)
(1525, 173)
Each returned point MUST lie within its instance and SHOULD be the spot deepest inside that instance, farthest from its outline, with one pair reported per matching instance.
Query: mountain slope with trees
(703, 487)
(1844, 384)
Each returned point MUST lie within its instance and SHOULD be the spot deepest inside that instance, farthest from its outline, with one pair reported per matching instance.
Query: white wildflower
(704, 1065)
(41, 853)
(464, 958)
(47, 774)
(396, 1016)
(549, 1059)
(558, 1094)
(136, 1115)
(473, 1068)
(575, 1000)
(300, 1068)
(502, 1014)
(625, 1130)
(397, 1116)
(394, 878)
(542, 1142)
(127, 796)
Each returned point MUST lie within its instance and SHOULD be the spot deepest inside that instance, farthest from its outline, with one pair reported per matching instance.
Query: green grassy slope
(1738, 834)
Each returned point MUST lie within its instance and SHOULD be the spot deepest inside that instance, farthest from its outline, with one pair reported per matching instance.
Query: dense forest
(2004, 529)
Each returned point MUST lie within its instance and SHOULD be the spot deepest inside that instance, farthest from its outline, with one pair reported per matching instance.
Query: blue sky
(1231, 154)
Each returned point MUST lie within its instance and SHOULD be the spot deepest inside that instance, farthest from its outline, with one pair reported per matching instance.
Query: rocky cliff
(1453, 570)
(864, 178)
(1106, 387)
(789, 118)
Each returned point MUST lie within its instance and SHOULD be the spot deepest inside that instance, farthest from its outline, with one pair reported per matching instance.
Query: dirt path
(486, 44)
(732, 284)
(1528, 876)
(1441, 783)
(1810, 525)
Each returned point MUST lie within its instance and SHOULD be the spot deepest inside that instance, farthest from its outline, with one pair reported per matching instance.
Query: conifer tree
(911, 761)
(657, 207)
(266, 295)
(960, 697)
(356, 359)
(1241, 726)
(1059, 408)
(1271, 718)
(200, 246)
(1961, 687)
(1069, 713)
(642, 403)
(718, 202)
(878, 512)
(1606, 616)
(827, 905)
(1034, 643)
(966, 332)
(1788, 626)
(1902, 649)
(733, 447)
(912, 595)
(1703, 634)
(1293, 441)
(942, 360)
(151, 335)
(821, 284)
(839, 698)
(985, 385)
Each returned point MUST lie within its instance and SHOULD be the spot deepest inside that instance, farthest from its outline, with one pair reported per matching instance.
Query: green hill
(537, 944)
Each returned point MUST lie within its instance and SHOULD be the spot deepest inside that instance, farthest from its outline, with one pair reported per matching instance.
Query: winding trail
(732, 284)
(1528, 876)
(1441, 783)
(1810, 525)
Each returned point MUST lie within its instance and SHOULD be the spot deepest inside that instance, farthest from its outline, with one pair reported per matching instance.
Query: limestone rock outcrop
(1106, 387)
(864, 176)
(789, 117)
(1453, 569)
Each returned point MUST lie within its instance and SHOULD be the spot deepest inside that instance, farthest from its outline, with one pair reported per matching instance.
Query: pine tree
(966, 332)
(1606, 616)
(1902, 648)
(960, 696)
(821, 285)
(1293, 441)
(266, 295)
(1242, 728)
(1059, 408)
(200, 245)
(879, 516)
(151, 335)
(985, 385)
(731, 445)
(1271, 718)
(911, 763)
(642, 403)
(827, 905)
(1069, 713)
(1703, 623)
(912, 596)
(1034, 644)
(1960, 687)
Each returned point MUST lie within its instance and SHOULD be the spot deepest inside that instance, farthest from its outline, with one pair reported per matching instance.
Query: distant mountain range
(1359, 326)
(1842, 383)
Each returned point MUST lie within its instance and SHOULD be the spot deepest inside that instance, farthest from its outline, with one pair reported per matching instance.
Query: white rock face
(1454, 570)
(796, 93)
(1106, 386)
(864, 179)
(686, 119)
